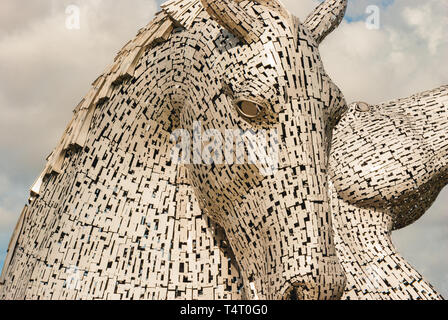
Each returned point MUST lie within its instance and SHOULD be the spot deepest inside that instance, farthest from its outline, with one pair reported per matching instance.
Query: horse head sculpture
(117, 210)
(396, 157)
(388, 165)
(264, 73)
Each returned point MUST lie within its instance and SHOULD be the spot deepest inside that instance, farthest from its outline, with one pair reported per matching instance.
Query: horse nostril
(293, 295)
(295, 292)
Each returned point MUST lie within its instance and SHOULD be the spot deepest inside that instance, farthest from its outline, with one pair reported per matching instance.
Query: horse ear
(231, 16)
(325, 18)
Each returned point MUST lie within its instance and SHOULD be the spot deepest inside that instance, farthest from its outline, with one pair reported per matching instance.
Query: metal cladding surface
(114, 216)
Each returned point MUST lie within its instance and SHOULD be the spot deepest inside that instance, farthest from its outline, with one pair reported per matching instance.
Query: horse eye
(248, 109)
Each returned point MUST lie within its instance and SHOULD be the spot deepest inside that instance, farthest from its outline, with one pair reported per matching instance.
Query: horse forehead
(276, 51)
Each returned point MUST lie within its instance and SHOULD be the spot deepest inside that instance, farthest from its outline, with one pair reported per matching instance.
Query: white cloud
(404, 57)
(430, 21)
(301, 8)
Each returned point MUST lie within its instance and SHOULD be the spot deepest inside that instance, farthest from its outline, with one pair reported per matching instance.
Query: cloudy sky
(46, 69)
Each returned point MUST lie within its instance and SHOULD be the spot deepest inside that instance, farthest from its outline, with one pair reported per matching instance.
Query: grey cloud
(20, 14)
(47, 69)
(7, 219)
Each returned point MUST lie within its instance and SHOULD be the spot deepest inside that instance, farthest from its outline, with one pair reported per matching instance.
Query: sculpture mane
(174, 14)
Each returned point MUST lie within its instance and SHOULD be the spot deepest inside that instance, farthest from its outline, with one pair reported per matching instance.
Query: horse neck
(374, 268)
